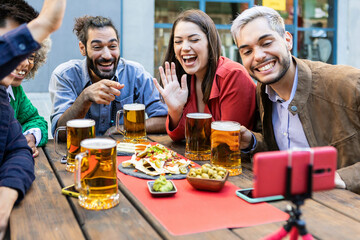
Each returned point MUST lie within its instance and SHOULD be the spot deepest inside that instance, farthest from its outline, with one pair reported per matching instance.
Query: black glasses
(31, 58)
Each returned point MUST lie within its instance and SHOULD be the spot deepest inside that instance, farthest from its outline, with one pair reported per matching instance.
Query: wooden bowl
(207, 184)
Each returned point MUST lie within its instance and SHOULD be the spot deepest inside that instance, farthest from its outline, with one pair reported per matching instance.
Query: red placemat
(192, 211)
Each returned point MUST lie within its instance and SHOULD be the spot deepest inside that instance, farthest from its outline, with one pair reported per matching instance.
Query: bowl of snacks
(161, 187)
(208, 177)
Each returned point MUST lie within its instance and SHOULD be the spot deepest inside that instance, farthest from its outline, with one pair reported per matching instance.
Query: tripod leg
(294, 233)
(279, 234)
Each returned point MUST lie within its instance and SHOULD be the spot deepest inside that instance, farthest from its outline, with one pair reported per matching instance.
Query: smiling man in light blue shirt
(99, 85)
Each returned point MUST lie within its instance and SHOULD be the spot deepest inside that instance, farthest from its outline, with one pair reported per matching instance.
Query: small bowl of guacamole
(161, 187)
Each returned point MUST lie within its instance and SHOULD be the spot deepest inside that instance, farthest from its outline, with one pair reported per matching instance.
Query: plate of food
(156, 160)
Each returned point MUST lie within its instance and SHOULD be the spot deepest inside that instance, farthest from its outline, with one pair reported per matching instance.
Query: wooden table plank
(340, 200)
(44, 213)
(120, 222)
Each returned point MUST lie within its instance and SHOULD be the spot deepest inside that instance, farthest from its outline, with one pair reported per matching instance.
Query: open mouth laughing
(189, 59)
(265, 66)
(106, 66)
(18, 74)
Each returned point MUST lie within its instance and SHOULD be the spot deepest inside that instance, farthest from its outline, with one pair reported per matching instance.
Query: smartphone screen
(247, 195)
(247, 192)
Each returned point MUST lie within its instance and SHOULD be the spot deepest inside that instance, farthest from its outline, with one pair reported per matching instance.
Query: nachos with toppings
(156, 160)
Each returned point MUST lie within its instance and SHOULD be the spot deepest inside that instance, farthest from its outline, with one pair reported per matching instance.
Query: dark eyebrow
(260, 38)
(98, 41)
(192, 35)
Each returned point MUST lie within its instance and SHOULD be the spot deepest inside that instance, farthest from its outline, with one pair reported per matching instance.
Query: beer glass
(197, 134)
(134, 122)
(76, 131)
(225, 146)
(95, 174)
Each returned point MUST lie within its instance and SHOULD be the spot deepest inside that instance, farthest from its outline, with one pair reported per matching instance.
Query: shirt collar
(9, 90)
(274, 97)
(215, 91)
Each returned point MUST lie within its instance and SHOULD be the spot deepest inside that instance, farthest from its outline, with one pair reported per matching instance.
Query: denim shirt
(70, 78)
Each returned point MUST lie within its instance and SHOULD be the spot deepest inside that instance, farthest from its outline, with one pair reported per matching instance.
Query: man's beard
(285, 64)
(102, 75)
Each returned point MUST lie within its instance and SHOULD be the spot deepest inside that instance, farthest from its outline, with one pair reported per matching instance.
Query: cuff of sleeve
(37, 134)
(252, 145)
(351, 176)
(22, 40)
(16, 184)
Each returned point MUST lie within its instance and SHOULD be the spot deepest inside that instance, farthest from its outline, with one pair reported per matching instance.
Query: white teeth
(106, 64)
(187, 57)
(20, 73)
(267, 67)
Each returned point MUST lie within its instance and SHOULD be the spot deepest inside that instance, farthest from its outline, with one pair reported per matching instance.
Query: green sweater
(28, 115)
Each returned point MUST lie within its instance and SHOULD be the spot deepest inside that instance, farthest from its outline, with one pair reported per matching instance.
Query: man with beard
(302, 103)
(99, 85)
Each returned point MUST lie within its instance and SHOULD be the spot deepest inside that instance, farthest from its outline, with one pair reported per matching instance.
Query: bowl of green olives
(208, 177)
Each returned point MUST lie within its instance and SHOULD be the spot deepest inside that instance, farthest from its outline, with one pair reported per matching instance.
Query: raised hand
(49, 19)
(174, 94)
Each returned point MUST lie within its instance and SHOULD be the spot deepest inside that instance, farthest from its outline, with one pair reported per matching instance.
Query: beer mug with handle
(197, 135)
(225, 146)
(95, 174)
(134, 122)
(76, 131)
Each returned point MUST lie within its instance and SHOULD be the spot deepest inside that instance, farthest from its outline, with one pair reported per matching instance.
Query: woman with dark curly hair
(209, 82)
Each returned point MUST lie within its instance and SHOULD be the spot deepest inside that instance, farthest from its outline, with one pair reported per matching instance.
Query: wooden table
(47, 214)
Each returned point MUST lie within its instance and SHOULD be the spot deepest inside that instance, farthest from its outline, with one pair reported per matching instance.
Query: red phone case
(270, 171)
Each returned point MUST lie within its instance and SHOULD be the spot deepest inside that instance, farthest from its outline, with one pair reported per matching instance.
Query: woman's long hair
(207, 25)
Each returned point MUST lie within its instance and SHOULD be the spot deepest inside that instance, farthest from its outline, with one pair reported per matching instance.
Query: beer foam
(198, 115)
(134, 107)
(225, 126)
(98, 143)
(80, 123)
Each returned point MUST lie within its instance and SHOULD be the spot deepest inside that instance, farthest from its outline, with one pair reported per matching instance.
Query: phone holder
(294, 225)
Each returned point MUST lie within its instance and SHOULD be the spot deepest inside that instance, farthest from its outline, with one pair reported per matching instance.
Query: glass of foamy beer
(197, 134)
(225, 146)
(95, 174)
(134, 122)
(76, 131)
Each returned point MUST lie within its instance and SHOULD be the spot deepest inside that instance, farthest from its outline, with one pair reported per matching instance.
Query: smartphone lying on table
(70, 191)
(247, 195)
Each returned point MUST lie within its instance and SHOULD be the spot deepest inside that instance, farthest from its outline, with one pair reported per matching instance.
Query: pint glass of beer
(197, 134)
(76, 131)
(225, 146)
(134, 122)
(95, 174)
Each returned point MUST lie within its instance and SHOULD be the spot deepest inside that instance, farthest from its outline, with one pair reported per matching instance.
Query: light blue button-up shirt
(70, 78)
(288, 129)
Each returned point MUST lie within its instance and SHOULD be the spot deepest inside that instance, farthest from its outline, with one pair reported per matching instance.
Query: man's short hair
(276, 22)
(82, 25)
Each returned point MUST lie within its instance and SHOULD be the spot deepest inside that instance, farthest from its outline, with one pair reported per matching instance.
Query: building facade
(324, 30)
